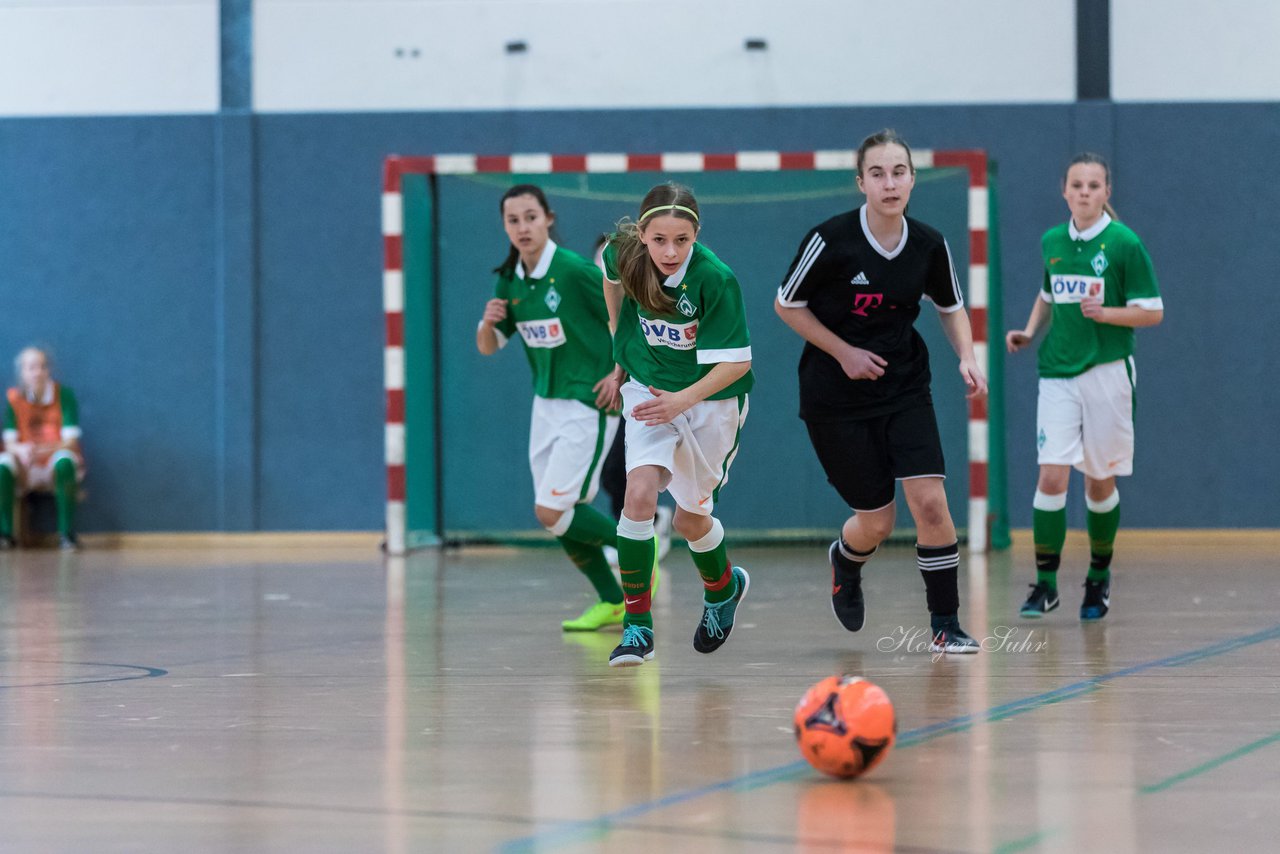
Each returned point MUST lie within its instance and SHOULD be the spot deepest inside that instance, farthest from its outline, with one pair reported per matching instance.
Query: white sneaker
(662, 527)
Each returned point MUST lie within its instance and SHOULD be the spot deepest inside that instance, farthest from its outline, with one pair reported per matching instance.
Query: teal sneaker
(636, 647)
(717, 617)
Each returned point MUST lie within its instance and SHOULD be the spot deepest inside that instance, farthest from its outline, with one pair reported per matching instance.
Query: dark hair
(508, 266)
(884, 137)
(636, 269)
(1091, 157)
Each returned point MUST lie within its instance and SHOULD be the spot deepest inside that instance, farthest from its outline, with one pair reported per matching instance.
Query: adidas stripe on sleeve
(801, 279)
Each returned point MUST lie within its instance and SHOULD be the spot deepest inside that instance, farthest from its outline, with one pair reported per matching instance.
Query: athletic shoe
(662, 527)
(636, 647)
(69, 543)
(717, 617)
(846, 594)
(1097, 600)
(949, 637)
(7, 542)
(1042, 600)
(596, 616)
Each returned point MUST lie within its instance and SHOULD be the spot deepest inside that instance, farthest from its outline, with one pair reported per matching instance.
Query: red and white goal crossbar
(395, 167)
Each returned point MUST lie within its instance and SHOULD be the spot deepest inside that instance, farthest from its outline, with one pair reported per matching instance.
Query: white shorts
(1087, 421)
(568, 441)
(696, 448)
(39, 477)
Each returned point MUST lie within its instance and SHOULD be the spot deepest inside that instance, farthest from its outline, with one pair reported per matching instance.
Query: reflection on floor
(210, 698)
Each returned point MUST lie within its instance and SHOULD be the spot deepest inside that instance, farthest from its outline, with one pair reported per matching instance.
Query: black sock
(849, 560)
(940, 567)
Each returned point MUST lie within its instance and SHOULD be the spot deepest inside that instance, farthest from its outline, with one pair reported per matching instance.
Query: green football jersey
(558, 311)
(1107, 260)
(673, 351)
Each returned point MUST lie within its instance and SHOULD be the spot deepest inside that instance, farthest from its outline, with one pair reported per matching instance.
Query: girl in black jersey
(853, 293)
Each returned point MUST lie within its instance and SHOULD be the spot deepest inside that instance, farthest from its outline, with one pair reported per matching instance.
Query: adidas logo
(860, 279)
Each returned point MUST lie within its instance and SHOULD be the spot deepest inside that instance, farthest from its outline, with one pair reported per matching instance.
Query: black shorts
(865, 457)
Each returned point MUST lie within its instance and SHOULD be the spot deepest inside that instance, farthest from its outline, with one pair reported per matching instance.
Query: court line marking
(566, 832)
(147, 673)
(1167, 782)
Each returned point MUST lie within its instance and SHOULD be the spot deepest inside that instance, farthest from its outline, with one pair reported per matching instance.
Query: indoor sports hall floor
(296, 695)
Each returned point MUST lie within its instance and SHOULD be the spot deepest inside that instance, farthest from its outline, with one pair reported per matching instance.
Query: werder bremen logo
(686, 308)
(1040, 440)
(552, 299)
(1099, 263)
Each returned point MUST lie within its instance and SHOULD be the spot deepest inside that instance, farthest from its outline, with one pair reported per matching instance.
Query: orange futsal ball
(845, 726)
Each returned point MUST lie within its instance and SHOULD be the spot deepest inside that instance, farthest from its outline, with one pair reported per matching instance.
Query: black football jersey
(870, 296)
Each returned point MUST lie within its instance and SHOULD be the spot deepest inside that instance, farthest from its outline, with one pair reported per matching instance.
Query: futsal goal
(457, 422)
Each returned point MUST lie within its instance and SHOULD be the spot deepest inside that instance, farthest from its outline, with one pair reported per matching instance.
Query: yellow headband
(651, 211)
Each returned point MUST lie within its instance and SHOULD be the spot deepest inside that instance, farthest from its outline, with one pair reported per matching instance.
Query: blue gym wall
(211, 286)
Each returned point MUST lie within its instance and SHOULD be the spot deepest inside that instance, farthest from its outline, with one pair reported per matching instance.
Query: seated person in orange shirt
(41, 446)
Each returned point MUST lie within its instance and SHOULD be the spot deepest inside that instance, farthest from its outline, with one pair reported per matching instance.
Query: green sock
(591, 526)
(1102, 527)
(635, 565)
(1049, 532)
(713, 565)
(65, 494)
(590, 561)
(7, 488)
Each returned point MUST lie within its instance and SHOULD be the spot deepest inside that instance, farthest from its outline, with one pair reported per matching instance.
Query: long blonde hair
(640, 277)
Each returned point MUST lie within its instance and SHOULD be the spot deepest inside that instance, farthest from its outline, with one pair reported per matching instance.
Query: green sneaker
(596, 617)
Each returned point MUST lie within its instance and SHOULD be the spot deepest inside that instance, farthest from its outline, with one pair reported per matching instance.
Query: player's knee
(875, 526)
(690, 526)
(64, 467)
(547, 516)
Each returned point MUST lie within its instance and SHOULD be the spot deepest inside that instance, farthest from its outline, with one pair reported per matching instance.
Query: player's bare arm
(858, 364)
(495, 311)
(955, 325)
(1016, 339)
(666, 405)
(1134, 316)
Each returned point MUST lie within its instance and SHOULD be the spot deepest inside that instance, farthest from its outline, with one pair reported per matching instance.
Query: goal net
(457, 422)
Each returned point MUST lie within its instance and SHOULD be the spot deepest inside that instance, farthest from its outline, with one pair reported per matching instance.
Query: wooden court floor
(304, 696)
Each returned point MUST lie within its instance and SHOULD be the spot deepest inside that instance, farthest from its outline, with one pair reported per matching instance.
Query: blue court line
(563, 833)
(144, 673)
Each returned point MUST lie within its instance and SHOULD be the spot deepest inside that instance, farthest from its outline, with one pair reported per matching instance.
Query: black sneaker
(636, 647)
(1097, 600)
(69, 543)
(717, 617)
(7, 543)
(1042, 600)
(949, 637)
(846, 594)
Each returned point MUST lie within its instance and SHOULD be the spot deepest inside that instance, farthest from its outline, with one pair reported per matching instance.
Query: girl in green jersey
(551, 298)
(1098, 287)
(682, 347)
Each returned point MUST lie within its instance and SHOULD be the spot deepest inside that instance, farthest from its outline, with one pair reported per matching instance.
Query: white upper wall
(1195, 50)
(95, 57)
(316, 55)
(69, 57)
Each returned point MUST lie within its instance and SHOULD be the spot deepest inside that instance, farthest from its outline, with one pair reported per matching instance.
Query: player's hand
(861, 364)
(1091, 307)
(973, 378)
(607, 396)
(1016, 339)
(495, 311)
(664, 407)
